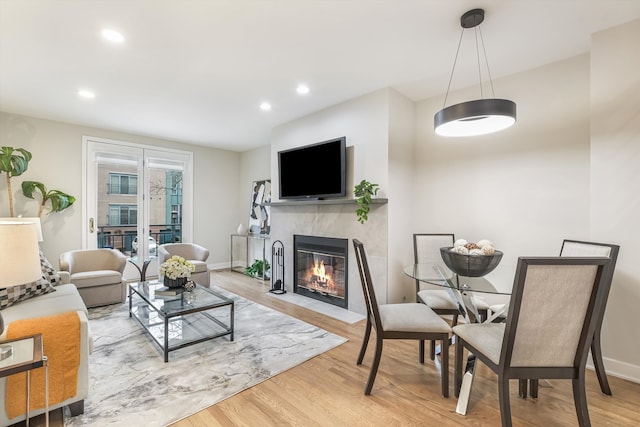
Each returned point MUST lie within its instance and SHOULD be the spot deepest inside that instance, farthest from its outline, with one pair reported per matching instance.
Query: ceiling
(197, 71)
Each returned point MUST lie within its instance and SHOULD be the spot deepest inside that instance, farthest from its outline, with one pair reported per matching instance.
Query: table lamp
(35, 219)
(19, 260)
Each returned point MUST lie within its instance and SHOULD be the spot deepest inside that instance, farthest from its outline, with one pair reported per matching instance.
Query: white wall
(615, 195)
(401, 195)
(255, 165)
(525, 188)
(57, 162)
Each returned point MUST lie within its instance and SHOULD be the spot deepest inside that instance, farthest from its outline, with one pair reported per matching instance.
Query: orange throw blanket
(61, 345)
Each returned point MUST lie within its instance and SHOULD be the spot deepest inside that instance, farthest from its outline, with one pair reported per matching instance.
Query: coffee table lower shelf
(180, 328)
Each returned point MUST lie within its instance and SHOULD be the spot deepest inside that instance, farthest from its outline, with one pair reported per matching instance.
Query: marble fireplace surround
(336, 219)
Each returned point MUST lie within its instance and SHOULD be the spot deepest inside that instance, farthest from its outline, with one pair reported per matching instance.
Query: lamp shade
(19, 253)
(478, 117)
(35, 220)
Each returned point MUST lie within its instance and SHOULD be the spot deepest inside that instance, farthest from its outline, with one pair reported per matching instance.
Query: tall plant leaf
(13, 165)
(58, 199)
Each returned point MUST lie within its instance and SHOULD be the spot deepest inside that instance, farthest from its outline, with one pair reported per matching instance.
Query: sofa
(64, 299)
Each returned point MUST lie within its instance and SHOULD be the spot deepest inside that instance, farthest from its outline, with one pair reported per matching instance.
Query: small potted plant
(364, 193)
(258, 269)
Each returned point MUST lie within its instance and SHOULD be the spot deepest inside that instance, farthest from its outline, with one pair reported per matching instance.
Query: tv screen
(315, 171)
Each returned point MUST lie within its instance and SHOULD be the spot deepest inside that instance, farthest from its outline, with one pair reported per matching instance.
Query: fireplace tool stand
(277, 268)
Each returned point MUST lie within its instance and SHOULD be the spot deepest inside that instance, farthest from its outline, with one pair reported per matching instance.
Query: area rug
(130, 384)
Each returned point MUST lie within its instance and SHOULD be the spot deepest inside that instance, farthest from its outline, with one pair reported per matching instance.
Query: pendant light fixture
(480, 116)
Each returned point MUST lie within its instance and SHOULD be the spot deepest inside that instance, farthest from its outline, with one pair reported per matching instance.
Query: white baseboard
(219, 266)
(616, 368)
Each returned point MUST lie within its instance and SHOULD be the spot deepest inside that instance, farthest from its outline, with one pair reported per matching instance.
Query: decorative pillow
(14, 294)
(44, 285)
(48, 272)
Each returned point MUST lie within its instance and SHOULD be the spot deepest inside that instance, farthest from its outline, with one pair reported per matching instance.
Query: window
(123, 214)
(123, 183)
(131, 190)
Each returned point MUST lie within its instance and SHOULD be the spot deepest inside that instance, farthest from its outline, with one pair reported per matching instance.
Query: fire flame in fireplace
(319, 274)
(318, 269)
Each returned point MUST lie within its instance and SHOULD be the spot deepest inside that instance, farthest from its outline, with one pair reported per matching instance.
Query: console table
(245, 248)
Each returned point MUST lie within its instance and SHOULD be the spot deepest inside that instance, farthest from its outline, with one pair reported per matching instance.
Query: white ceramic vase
(242, 229)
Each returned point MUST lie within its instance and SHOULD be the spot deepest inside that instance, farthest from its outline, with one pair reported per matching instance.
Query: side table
(143, 270)
(27, 355)
(248, 247)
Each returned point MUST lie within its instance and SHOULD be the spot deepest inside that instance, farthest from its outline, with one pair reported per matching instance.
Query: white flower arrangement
(176, 267)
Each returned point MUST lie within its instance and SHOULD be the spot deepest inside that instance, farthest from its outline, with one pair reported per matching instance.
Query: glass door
(136, 198)
(113, 196)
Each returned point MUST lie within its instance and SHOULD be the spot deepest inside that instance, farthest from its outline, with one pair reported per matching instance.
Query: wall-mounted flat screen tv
(316, 171)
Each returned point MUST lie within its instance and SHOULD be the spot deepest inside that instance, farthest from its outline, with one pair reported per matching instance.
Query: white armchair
(195, 254)
(97, 273)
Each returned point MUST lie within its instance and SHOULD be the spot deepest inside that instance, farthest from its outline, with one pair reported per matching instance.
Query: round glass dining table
(460, 289)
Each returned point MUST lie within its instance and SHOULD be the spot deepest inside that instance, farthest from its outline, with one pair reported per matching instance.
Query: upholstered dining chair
(578, 248)
(426, 248)
(553, 314)
(195, 254)
(408, 321)
(573, 248)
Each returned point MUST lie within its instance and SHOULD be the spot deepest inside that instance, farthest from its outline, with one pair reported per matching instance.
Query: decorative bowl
(470, 265)
(175, 283)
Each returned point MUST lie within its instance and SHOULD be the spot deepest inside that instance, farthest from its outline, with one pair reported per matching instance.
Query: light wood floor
(328, 389)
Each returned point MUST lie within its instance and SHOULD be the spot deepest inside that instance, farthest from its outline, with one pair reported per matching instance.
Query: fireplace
(320, 268)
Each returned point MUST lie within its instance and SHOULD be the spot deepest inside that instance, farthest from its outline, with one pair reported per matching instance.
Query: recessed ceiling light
(265, 106)
(112, 35)
(87, 94)
(302, 89)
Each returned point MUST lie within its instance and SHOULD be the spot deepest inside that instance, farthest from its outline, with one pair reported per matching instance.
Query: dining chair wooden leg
(374, 366)
(457, 383)
(503, 396)
(598, 364)
(365, 341)
(432, 350)
(580, 399)
(533, 388)
(421, 350)
(522, 388)
(444, 355)
(454, 320)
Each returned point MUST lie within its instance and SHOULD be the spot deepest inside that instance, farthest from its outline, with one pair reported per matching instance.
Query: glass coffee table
(182, 320)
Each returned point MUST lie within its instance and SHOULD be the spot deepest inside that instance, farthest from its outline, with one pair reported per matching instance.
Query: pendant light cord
(486, 60)
(478, 60)
(453, 69)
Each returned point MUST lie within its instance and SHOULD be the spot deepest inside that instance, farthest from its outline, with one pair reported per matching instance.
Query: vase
(242, 229)
(175, 283)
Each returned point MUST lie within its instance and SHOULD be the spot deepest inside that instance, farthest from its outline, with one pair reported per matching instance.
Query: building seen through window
(118, 212)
